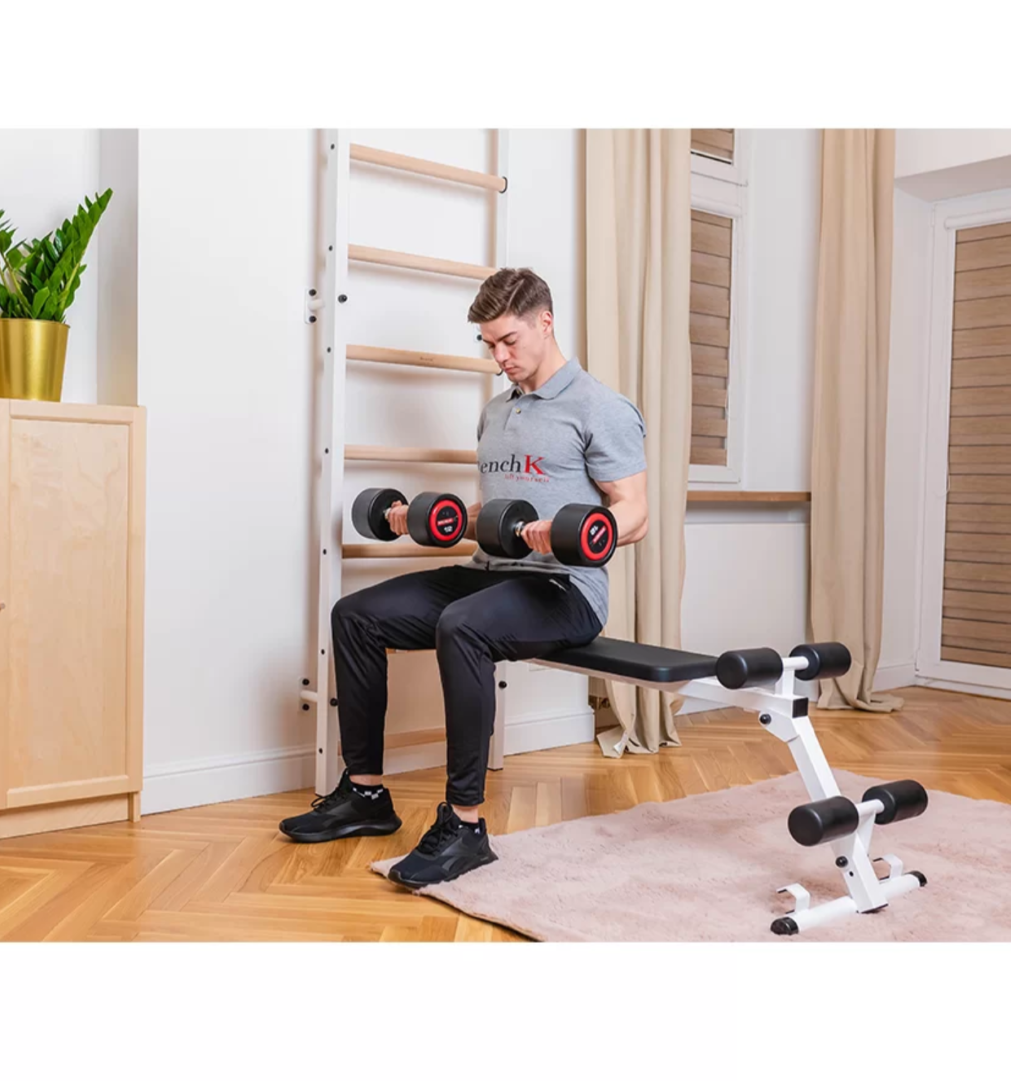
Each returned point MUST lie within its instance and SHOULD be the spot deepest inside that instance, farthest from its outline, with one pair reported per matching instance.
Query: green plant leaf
(41, 277)
(39, 302)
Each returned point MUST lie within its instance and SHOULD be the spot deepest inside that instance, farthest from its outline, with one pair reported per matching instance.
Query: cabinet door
(73, 634)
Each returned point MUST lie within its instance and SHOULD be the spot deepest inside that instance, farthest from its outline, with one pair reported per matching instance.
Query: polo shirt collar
(556, 384)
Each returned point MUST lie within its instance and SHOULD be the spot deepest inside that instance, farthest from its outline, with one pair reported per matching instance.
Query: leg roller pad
(746, 667)
(825, 660)
(902, 799)
(824, 820)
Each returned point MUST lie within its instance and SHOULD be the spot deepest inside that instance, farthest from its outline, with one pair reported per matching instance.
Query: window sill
(707, 496)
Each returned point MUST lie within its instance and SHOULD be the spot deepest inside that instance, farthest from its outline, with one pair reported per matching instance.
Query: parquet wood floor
(224, 872)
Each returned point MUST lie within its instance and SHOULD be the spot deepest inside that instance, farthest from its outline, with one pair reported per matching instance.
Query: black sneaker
(449, 849)
(344, 813)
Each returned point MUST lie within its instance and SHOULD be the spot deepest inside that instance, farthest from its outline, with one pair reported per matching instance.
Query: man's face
(518, 345)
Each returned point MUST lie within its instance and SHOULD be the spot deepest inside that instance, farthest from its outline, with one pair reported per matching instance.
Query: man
(556, 436)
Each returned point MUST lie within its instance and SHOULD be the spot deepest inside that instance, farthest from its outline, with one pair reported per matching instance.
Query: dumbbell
(582, 535)
(435, 519)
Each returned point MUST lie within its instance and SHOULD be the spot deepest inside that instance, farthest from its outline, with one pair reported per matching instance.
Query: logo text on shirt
(514, 465)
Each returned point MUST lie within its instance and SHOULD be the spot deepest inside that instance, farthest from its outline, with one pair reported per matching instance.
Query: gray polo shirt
(548, 447)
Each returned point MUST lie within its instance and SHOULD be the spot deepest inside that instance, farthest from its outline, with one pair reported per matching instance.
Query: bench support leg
(776, 708)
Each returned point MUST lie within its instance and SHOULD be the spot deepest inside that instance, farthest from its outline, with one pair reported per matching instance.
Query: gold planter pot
(32, 355)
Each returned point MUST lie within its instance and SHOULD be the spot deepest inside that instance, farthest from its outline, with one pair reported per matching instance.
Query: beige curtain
(638, 273)
(850, 404)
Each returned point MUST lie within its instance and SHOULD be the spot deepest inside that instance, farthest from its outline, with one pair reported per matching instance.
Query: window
(710, 336)
(715, 143)
(717, 303)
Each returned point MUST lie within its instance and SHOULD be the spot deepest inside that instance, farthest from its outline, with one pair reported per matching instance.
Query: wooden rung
(423, 167)
(421, 360)
(706, 496)
(409, 454)
(404, 549)
(413, 739)
(407, 261)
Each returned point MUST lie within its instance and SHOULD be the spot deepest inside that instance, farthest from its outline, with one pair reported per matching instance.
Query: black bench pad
(633, 660)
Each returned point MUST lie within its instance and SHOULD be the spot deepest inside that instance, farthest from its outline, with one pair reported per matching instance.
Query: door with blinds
(976, 602)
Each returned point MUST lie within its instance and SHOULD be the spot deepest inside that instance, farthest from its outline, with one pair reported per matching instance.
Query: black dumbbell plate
(437, 519)
(583, 535)
(369, 509)
(496, 527)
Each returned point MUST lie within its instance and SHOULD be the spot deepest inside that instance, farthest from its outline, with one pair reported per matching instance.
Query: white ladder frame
(330, 352)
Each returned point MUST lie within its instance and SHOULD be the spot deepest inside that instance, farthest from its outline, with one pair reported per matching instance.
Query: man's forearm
(632, 520)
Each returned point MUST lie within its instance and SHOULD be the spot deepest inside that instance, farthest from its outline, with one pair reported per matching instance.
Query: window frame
(721, 188)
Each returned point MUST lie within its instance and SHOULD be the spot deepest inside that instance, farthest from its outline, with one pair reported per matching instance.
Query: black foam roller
(746, 667)
(902, 799)
(825, 660)
(824, 820)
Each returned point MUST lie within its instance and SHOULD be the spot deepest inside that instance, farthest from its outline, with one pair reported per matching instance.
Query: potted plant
(38, 281)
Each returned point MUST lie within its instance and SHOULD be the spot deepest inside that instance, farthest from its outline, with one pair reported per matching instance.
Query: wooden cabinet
(71, 614)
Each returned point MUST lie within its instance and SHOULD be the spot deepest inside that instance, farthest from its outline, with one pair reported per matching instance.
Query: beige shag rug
(706, 868)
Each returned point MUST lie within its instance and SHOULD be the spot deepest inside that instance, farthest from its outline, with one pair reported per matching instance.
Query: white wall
(116, 239)
(906, 430)
(44, 177)
(784, 202)
(225, 229)
(935, 164)
(925, 150)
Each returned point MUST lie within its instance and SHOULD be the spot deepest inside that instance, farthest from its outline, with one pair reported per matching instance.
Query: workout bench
(762, 681)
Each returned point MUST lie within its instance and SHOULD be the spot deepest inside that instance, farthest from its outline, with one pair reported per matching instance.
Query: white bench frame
(777, 705)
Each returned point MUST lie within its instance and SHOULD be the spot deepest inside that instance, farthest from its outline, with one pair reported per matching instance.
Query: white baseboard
(198, 782)
(541, 731)
(890, 676)
(963, 688)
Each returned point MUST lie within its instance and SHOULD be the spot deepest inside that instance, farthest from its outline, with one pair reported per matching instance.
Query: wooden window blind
(976, 614)
(709, 324)
(715, 143)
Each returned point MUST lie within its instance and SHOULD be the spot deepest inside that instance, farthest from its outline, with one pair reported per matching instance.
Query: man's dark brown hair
(509, 291)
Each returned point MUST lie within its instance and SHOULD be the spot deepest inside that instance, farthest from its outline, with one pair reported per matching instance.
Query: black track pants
(472, 618)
